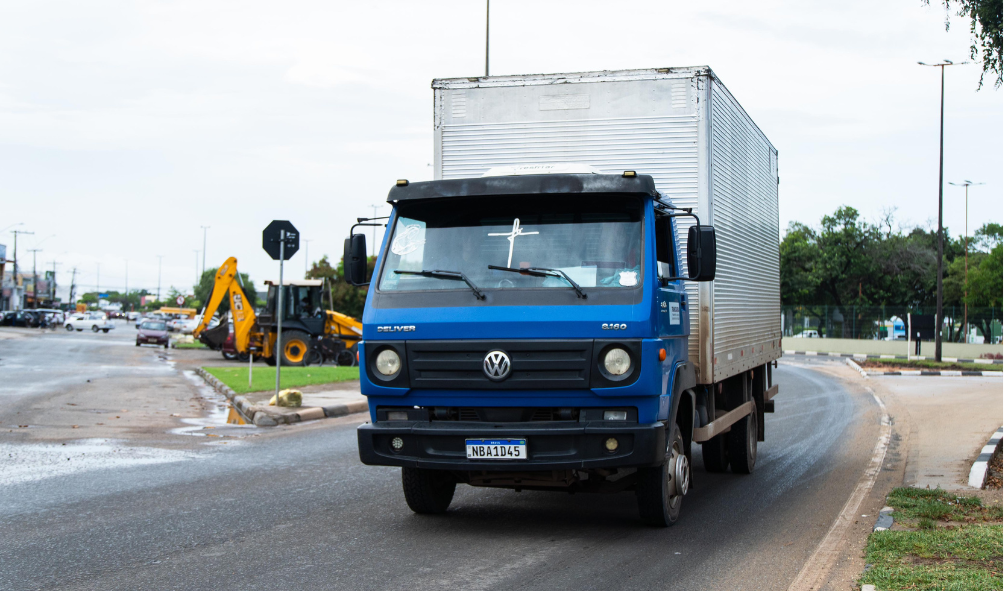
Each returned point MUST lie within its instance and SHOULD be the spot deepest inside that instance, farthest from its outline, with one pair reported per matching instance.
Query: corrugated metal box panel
(746, 294)
(579, 122)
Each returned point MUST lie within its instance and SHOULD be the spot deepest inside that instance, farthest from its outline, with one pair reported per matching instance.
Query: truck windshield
(595, 240)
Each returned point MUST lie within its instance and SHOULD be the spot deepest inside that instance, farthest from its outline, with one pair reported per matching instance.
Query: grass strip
(190, 346)
(939, 505)
(964, 558)
(263, 377)
(914, 364)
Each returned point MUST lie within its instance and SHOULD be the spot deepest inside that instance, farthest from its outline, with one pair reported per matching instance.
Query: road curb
(857, 367)
(946, 372)
(894, 357)
(266, 416)
(978, 473)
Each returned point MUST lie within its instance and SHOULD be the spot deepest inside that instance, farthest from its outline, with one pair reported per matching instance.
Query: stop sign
(271, 236)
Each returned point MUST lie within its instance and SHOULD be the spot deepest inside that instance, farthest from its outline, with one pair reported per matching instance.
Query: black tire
(94, 328)
(270, 361)
(137, 343)
(229, 356)
(345, 358)
(165, 345)
(657, 491)
(715, 452)
(743, 443)
(314, 357)
(105, 330)
(69, 328)
(243, 357)
(295, 348)
(427, 492)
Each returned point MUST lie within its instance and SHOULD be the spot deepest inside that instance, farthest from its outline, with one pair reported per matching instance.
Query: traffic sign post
(281, 241)
(180, 300)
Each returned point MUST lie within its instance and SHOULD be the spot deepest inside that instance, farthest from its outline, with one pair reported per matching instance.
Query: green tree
(985, 26)
(204, 290)
(344, 298)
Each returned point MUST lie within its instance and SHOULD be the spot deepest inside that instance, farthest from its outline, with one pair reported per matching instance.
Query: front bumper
(550, 446)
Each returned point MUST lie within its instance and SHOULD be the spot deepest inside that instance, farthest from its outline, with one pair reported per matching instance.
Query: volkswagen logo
(496, 365)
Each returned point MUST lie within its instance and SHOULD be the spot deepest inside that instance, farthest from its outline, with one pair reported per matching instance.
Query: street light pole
(965, 301)
(939, 317)
(34, 279)
(204, 228)
(196, 251)
(160, 262)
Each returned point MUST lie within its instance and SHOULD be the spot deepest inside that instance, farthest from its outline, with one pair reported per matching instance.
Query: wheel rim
(679, 475)
(295, 350)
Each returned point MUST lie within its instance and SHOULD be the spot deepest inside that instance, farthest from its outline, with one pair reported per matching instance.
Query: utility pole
(160, 261)
(965, 302)
(52, 284)
(375, 207)
(204, 228)
(939, 317)
(73, 286)
(488, 14)
(34, 278)
(306, 257)
(15, 233)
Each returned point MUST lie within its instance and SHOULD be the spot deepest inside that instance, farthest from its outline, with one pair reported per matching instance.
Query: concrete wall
(958, 350)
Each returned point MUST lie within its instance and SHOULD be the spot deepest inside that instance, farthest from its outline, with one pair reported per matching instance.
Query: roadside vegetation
(939, 541)
(195, 345)
(263, 377)
(915, 364)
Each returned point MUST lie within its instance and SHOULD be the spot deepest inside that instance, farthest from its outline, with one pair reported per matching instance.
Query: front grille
(538, 364)
(505, 415)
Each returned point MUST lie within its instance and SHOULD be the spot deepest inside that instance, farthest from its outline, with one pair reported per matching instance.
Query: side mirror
(354, 259)
(701, 253)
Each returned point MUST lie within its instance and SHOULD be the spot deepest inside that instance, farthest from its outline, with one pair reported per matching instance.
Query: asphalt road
(294, 508)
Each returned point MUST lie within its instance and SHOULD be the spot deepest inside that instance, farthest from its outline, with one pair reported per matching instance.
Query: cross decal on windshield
(511, 236)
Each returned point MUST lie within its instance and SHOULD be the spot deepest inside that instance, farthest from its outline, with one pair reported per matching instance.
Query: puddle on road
(216, 423)
(32, 462)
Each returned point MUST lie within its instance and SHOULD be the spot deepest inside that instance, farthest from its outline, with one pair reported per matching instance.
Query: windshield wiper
(454, 275)
(543, 272)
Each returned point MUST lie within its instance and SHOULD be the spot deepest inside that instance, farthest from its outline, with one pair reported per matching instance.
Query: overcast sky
(125, 126)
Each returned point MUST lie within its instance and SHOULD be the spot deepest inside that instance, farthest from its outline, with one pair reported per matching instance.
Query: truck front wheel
(742, 444)
(427, 491)
(660, 489)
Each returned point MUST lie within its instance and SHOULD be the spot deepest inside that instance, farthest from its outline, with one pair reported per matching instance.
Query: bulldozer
(310, 334)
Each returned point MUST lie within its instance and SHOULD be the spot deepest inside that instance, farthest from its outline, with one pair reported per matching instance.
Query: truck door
(670, 297)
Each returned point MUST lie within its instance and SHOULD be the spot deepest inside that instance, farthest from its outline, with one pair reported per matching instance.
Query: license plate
(496, 449)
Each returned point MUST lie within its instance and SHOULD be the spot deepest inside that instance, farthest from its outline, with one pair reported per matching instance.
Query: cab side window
(664, 247)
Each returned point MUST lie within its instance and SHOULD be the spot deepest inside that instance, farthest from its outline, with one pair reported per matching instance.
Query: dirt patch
(994, 471)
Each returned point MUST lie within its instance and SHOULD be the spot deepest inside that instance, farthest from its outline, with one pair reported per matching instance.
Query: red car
(152, 332)
(229, 349)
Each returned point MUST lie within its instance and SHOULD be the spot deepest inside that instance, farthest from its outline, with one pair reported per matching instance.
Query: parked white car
(95, 322)
(807, 334)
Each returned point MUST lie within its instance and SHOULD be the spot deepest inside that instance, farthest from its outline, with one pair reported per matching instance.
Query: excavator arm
(346, 328)
(227, 285)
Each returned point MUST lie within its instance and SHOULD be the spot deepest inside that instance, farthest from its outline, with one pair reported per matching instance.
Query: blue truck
(582, 324)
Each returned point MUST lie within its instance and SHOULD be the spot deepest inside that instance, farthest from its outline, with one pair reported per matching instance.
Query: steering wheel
(505, 283)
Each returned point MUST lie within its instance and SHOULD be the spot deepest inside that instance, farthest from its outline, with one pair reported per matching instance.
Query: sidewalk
(319, 402)
(950, 421)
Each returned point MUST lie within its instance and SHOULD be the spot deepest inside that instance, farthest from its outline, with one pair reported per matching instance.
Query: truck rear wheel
(295, 348)
(716, 453)
(660, 489)
(427, 491)
(742, 444)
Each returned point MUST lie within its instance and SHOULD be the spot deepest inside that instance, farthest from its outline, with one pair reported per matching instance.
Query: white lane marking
(816, 570)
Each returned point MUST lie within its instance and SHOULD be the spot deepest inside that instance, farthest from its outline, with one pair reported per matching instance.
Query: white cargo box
(680, 125)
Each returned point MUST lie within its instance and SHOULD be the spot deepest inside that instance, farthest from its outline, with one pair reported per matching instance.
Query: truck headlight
(388, 362)
(617, 361)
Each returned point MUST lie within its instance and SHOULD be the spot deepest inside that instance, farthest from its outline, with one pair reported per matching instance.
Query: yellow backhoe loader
(310, 334)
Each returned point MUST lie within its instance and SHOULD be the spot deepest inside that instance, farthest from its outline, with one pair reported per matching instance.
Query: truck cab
(531, 332)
